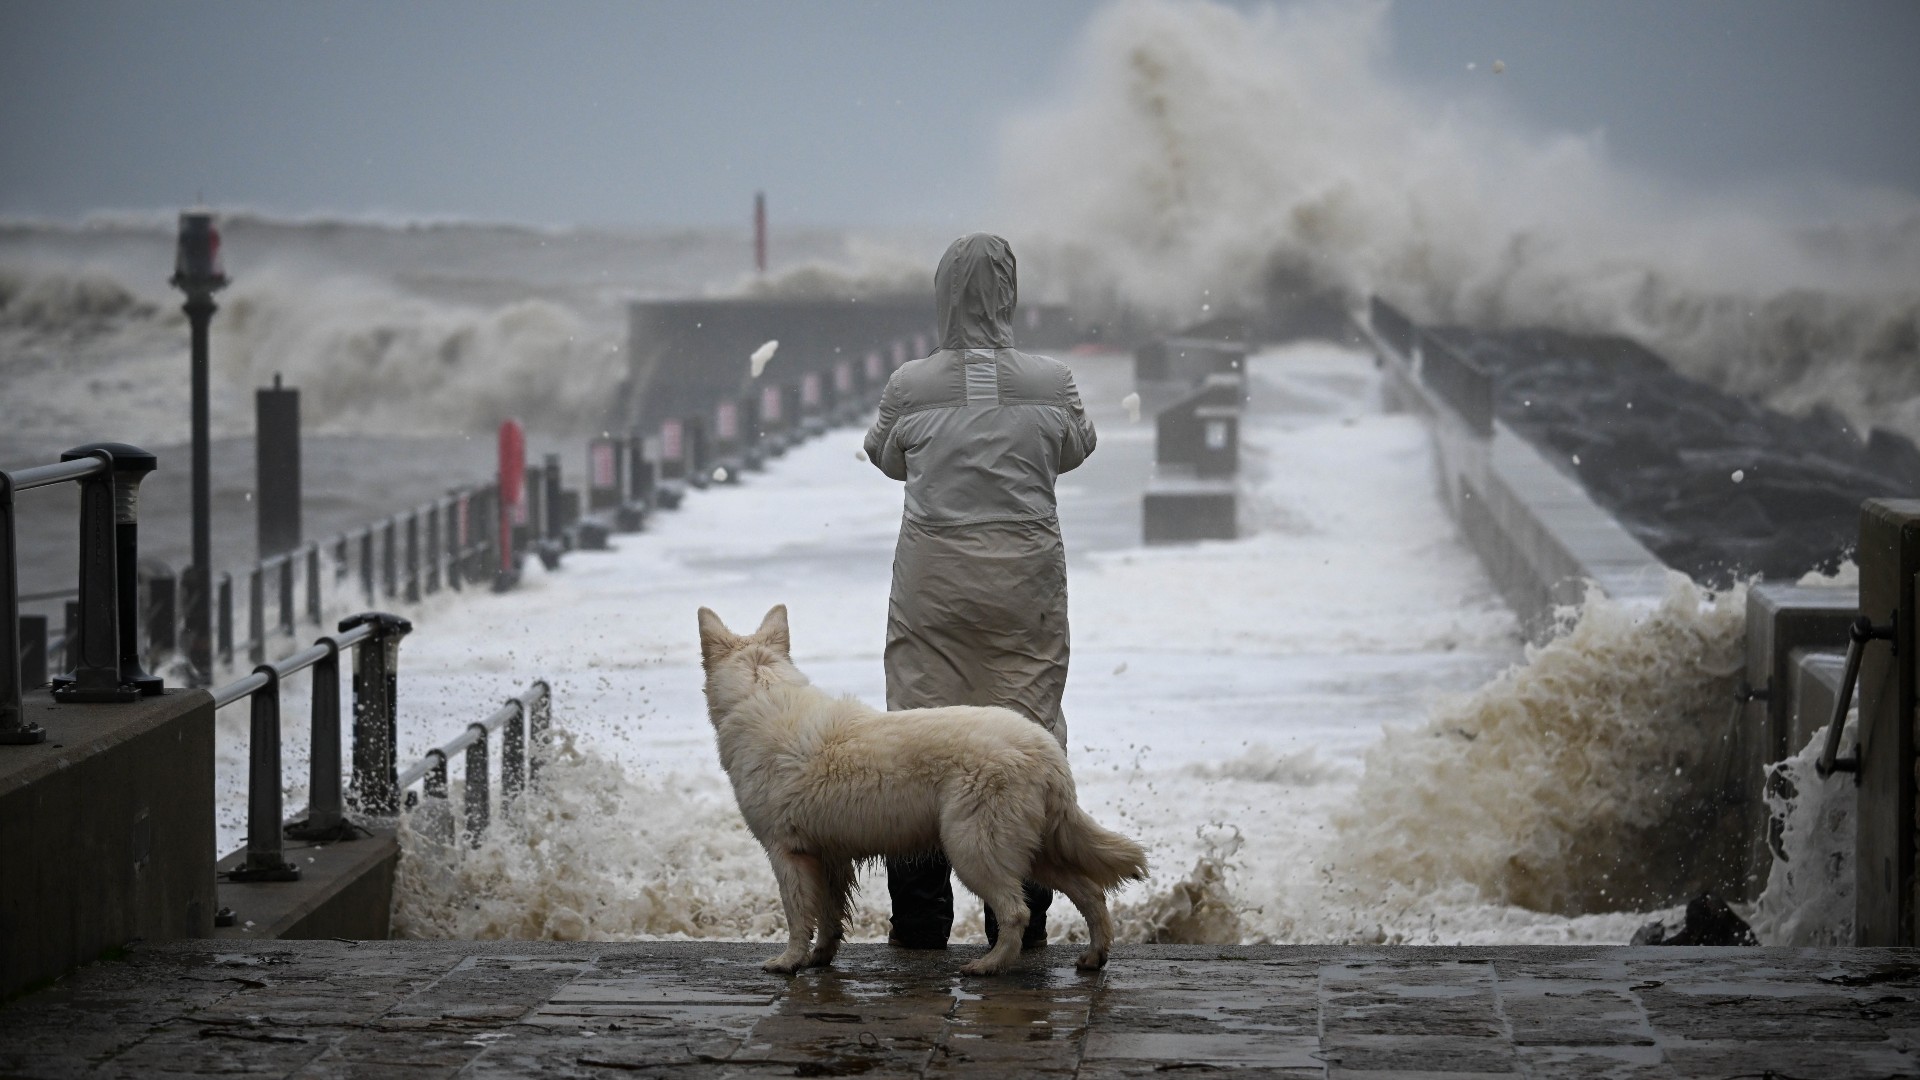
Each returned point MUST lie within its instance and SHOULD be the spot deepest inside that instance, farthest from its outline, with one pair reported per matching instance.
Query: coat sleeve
(1080, 438)
(887, 455)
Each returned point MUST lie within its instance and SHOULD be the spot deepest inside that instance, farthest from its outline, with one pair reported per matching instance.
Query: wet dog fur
(825, 782)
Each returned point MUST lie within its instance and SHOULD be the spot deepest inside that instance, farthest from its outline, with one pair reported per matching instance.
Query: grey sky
(846, 112)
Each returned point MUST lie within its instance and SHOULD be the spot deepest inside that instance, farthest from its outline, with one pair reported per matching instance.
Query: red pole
(513, 495)
(760, 231)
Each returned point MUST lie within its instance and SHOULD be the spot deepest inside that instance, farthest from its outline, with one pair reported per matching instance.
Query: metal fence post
(539, 730)
(33, 653)
(413, 557)
(479, 787)
(266, 860)
(325, 819)
(433, 548)
(340, 549)
(14, 728)
(313, 583)
(96, 674)
(256, 619)
(375, 694)
(286, 594)
(226, 618)
(513, 760)
(366, 566)
(439, 816)
(389, 559)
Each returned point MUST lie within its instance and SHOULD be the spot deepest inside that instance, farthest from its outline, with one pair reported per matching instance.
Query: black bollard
(277, 468)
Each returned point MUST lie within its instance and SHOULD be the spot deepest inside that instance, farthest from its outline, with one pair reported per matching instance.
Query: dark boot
(921, 889)
(1038, 900)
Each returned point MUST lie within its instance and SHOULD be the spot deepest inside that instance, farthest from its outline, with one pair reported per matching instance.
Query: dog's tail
(1083, 844)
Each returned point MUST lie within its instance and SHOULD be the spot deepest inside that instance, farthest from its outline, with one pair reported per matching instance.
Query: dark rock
(1709, 922)
(1659, 451)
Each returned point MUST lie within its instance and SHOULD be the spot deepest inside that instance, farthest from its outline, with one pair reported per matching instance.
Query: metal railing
(525, 724)
(524, 721)
(374, 638)
(103, 647)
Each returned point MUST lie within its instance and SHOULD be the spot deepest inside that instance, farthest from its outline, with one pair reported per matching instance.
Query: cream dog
(825, 781)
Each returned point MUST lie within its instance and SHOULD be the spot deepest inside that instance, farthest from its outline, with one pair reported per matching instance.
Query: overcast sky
(654, 113)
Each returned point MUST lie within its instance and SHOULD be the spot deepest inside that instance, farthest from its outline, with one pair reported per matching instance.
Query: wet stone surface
(705, 1010)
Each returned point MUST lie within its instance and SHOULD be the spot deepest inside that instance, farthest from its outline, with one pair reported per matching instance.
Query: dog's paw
(981, 967)
(784, 964)
(1092, 960)
(821, 958)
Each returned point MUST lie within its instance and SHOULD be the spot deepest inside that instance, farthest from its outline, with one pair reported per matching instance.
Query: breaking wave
(1563, 801)
(1200, 150)
(1585, 779)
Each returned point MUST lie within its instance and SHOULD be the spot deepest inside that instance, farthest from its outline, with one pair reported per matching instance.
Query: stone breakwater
(1717, 486)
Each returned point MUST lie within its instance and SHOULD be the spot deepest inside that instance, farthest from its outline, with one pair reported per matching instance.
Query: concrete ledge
(345, 891)
(106, 831)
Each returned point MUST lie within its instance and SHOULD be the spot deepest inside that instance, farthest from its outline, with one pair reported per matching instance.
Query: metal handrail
(375, 638)
(1859, 633)
(48, 475)
(525, 720)
(105, 656)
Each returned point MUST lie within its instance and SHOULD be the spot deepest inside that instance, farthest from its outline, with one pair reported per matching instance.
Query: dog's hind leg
(1091, 899)
(993, 880)
(801, 891)
(838, 883)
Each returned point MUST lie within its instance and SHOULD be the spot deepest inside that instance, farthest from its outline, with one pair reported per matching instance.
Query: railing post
(325, 817)
(366, 566)
(33, 651)
(69, 634)
(439, 815)
(341, 545)
(286, 593)
(413, 557)
(539, 729)
(479, 787)
(375, 788)
(14, 728)
(256, 619)
(433, 548)
(226, 618)
(456, 538)
(96, 674)
(513, 760)
(313, 583)
(265, 858)
(389, 559)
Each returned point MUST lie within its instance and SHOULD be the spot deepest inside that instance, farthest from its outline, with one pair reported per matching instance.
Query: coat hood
(974, 292)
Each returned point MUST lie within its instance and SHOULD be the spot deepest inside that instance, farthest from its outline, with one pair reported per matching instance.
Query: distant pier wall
(1540, 535)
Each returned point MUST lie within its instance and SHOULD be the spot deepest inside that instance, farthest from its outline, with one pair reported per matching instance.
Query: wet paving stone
(499, 1010)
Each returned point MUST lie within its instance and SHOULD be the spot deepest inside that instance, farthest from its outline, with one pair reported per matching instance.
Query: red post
(513, 498)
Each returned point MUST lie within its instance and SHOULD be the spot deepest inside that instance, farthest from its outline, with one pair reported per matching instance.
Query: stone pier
(704, 1009)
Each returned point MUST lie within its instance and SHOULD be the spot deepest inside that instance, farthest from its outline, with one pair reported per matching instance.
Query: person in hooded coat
(978, 613)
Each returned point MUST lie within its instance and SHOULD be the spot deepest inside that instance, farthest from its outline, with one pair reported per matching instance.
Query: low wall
(106, 832)
(1539, 534)
(345, 891)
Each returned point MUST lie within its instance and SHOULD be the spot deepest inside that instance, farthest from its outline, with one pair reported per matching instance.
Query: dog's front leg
(798, 876)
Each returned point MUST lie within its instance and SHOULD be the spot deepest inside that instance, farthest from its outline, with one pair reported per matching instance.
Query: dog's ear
(773, 630)
(714, 635)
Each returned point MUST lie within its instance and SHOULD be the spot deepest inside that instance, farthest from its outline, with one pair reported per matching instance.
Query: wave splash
(1202, 151)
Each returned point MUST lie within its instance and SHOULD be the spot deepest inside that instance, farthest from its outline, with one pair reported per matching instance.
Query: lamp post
(197, 272)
